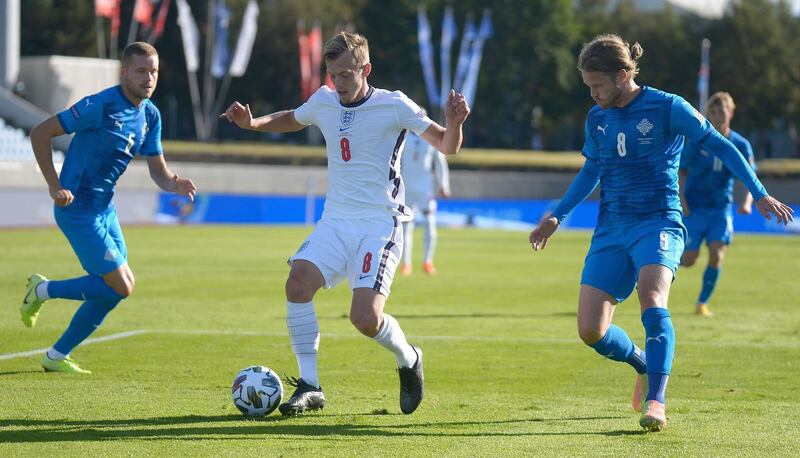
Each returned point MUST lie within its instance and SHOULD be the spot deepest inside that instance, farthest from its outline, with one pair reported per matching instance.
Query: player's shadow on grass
(175, 428)
(515, 316)
(33, 371)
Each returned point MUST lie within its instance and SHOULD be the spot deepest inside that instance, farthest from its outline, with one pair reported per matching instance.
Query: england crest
(348, 116)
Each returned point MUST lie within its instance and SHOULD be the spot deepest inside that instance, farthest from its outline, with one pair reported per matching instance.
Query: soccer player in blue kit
(634, 138)
(707, 196)
(111, 127)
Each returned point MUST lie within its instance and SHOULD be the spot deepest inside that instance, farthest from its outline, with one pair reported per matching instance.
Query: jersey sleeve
(688, 154)
(410, 116)
(589, 150)
(580, 188)
(152, 139)
(749, 155)
(305, 113)
(86, 114)
(687, 121)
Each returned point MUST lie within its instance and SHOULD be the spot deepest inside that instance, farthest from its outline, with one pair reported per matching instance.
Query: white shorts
(365, 251)
(421, 201)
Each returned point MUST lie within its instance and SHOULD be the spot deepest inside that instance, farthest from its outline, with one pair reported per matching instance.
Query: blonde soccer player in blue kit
(707, 198)
(633, 142)
(111, 127)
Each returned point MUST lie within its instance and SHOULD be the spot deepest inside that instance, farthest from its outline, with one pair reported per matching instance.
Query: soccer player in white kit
(425, 174)
(358, 237)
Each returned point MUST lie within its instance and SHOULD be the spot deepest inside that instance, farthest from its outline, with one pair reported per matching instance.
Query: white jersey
(424, 169)
(364, 142)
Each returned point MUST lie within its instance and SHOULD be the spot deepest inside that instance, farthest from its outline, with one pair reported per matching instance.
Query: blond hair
(346, 41)
(723, 99)
(609, 54)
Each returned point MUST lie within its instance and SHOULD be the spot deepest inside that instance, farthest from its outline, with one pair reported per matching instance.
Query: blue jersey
(109, 132)
(635, 152)
(709, 184)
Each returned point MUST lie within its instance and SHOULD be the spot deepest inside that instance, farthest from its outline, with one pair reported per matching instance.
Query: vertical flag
(471, 81)
(219, 61)
(161, 20)
(703, 75)
(247, 37)
(448, 35)
(143, 12)
(105, 8)
(315, 49)
(305, 61)
(190, 35)
(426, 55)
(464, 52)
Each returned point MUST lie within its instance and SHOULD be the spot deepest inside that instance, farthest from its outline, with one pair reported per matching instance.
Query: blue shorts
(96, 238)
(618, 252)
(709, 224)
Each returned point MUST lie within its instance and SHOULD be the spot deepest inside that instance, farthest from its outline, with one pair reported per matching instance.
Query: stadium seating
(15, 145)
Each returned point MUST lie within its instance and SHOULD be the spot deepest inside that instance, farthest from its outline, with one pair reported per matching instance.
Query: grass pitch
(505, 372)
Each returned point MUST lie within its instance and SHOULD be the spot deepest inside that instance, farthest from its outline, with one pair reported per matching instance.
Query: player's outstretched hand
(239, 114)
(782, 212)
(185, 187)
(539, 236)
(62, 197)
(456, 109)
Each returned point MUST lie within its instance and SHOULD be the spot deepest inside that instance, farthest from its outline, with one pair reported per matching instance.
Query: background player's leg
(304, 281)
(595, 311)
(716, 253)
(689, 258)
(408, 239)
(654, 283)
(430, 240)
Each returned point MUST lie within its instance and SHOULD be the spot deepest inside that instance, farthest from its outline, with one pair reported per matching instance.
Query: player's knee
(366, 323)
(124, 287)
(688, 260)
(715, 259)
(298, 290)
(590, 335)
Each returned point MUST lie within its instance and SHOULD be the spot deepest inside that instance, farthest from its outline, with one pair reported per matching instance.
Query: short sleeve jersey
(109, 132)
(364, 142)
(637, 149)
(709, 184)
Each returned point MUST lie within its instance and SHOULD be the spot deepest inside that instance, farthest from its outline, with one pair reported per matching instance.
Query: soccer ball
(256, 391)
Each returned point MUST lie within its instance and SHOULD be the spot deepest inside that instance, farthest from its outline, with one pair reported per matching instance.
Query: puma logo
(656, 338)
(602, 129)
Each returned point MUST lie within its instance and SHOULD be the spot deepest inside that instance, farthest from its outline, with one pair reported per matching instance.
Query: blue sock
(616, 345)
(710, 277)
(87, 288)
(660, 349)
(88, 317)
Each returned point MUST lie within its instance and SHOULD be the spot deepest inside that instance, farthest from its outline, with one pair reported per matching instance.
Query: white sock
(301, 321)
(408, 241)
(54, 354)
(392, 338)
(41, 291)
(430, 237)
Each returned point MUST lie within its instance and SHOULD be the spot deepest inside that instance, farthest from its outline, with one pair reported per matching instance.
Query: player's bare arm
(278, 122)
(539, 236)
(42, 142)
(167, 180)
(448, 139)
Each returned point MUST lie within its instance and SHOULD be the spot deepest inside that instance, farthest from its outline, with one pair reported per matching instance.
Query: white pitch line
(533, 340)
(120, 335)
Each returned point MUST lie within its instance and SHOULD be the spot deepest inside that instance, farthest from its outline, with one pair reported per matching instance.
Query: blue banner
(489, 213)
(426, 55)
